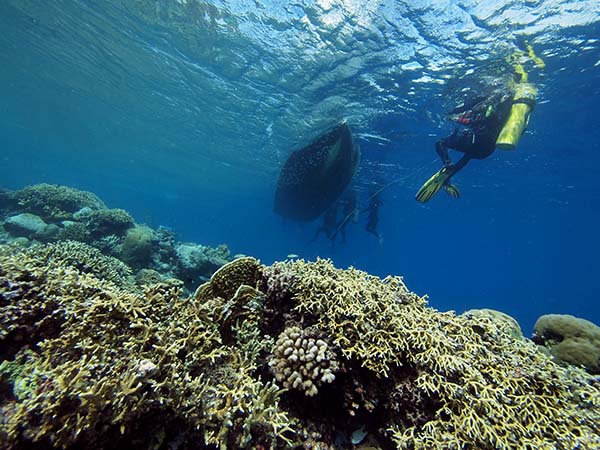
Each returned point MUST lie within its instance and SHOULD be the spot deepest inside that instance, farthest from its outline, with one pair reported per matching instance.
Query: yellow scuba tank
(523, 104)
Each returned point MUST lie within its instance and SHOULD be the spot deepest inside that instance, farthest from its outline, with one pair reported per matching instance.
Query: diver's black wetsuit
(482, 120)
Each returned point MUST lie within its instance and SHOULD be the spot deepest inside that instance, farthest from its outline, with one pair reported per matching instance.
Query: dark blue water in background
(523, 238)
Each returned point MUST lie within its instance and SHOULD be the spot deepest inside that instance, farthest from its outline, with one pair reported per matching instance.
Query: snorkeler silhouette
(329, 224)
(350, 213)
(373, 219)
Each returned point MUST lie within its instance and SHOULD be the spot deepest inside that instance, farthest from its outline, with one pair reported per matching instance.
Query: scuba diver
(486, 122)
(332, 227)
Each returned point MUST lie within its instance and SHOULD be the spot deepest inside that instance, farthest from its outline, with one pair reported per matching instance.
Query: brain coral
(570, 340)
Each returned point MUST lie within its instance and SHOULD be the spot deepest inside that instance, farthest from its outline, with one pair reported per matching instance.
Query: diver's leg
(442, 177)
(456, 141)
(460, 164)
(442, 151)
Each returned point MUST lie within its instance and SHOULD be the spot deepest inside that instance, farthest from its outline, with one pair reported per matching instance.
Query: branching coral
(104, 222)
(474, 385)
(123, 368)
(86, 259)
(95, 362)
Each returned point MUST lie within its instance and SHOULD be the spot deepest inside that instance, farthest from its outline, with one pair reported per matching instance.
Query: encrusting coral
(94, 363)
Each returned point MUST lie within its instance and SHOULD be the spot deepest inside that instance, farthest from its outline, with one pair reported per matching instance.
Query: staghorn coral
(303, 360)
(103, 365)
(53, 202)
(122, 368)
(570, 340)
(86, 259)
(437, 380)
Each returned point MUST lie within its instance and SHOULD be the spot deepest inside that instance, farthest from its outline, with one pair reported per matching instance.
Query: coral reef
(48, 213)
(430, 379)
(294, 355)
(54, 203)
(196, 263)
(100, 366)
(570, 340)
(104, 222)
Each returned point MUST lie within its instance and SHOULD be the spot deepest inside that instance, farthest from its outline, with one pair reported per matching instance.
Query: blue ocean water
(183, 112)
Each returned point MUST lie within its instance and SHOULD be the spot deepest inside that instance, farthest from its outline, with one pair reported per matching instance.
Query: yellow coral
(484, 388)
(109, 358)
(104, 356)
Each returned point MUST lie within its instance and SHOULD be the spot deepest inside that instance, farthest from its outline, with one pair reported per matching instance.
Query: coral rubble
(294, 355)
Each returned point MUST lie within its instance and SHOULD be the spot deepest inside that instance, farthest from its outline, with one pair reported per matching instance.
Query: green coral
(53, 202)
(570, 340)
(19, 376)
